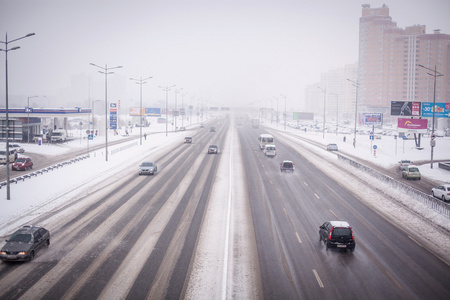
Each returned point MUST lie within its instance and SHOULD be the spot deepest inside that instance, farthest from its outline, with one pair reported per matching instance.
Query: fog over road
(226, 226)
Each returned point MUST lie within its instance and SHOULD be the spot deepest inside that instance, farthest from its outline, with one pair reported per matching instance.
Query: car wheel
(47, 243)
(443, 198)
(326, 245)
(31, 255)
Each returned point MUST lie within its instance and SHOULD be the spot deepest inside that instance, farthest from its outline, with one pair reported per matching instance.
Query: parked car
(148, 167)
(332, 147)
(411, 172)
(287, 166)
(442, 192)
(17, 147)
(188, 139)
(22, 164)
(403, 164)
(25, 243)
(213, 149)
(337, 234)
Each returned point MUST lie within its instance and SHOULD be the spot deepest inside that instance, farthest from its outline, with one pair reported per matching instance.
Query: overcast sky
(222, 52)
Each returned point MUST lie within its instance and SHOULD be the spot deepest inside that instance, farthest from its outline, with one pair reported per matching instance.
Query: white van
(270, 150)
(12, 156)
(265, 139)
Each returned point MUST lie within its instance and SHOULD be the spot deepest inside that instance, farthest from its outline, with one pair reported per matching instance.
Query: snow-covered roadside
(217, 273)
(43, 193)
(431, 226)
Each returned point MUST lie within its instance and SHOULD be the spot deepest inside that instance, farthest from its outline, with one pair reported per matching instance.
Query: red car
(22, 163)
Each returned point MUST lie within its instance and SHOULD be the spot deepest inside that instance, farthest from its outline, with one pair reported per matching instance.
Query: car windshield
(20, 160)
(213, 146)
(21, 238)
(413, 169)
(406, 162)
(342, 232)
(147, 164)
(287, 165)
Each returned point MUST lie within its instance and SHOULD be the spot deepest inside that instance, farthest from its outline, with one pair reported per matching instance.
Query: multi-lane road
(224, 226)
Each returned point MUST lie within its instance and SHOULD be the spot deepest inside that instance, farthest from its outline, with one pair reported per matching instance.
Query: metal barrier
(432, 202)
(41, 171)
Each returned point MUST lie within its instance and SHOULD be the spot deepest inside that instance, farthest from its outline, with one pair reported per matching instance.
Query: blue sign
(374, 147)
(441, 110)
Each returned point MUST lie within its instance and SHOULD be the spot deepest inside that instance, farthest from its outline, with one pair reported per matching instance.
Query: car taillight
(353, 237)
(329, 236)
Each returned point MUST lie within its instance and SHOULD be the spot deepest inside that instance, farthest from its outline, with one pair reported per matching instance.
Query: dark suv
(337, 234)
(24, 244)
(287, 166)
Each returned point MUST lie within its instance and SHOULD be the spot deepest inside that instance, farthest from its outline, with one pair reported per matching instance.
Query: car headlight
(3, 252)
(22, 253)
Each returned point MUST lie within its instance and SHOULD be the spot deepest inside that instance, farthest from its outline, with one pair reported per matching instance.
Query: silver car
(148, 167)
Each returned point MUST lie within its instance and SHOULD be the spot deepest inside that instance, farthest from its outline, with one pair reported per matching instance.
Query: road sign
(375, 147)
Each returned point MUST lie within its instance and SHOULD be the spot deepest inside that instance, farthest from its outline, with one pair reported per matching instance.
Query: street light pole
(284, 96)
(140, 82)
(176, 117)
(435, 75)
(28, 118)
(337, 111)
(106, 72)
(356, 84)
(167, 89)
(324, 104)
(8, 190)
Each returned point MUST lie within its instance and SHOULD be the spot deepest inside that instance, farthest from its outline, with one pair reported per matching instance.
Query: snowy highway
(224, 226)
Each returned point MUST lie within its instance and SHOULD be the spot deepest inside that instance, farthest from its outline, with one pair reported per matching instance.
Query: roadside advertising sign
(112, 116)
(441, 110)
(404, 108)
(372, 118)
(413, 125)
(153, 112)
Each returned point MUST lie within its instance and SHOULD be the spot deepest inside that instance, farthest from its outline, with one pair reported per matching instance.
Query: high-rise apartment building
(389, 59)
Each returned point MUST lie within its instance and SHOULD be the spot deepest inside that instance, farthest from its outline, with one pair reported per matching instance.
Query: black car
(212, 129)
(25, 243)
(337, 234)
(287, 166)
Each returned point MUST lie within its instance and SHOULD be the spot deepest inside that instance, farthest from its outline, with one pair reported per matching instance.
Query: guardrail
(44, 170)
(434, 203)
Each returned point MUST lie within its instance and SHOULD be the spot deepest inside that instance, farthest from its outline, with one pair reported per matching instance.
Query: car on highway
(212, 129)
(287, 166)
(332, 147)
(188, 139)
(270, 150)
(411, 172)
(202, 125)
(337, 234)
(25, 243)
(403, 164)
(442, 192)
(213, 149)
(17, 147)
(148, 167)
(22, 164)
(182, 129)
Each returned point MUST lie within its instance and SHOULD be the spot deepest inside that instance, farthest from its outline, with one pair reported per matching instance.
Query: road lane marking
(298, 238)
(334, 214)
(318, 278)
(317, 196)
(304, 182)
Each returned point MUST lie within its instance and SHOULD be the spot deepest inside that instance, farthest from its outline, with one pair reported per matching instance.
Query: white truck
(58, 136)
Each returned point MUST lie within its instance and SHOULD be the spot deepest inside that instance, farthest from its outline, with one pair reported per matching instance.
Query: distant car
(182, 129)
(337, 234)
(212, 129)
(12, 155)
(270, 150)
(213, 149)
(25, 243)
(442, 192)
(148, 167)
(188, 139)
(22, 164)
(287, 166)
(17, 147)
(332, 147)
(403, 164)
(411, 172)
(202, 125)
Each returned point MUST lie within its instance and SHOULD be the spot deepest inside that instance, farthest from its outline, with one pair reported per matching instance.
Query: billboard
(405, 108)
(302, 116)
(372, 118)
(412, 125)
(441, 110)
(153, 112)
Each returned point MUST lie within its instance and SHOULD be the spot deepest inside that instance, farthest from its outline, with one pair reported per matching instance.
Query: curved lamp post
(106, 72)
(140, 82)
(167, 89)
(6, 50)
